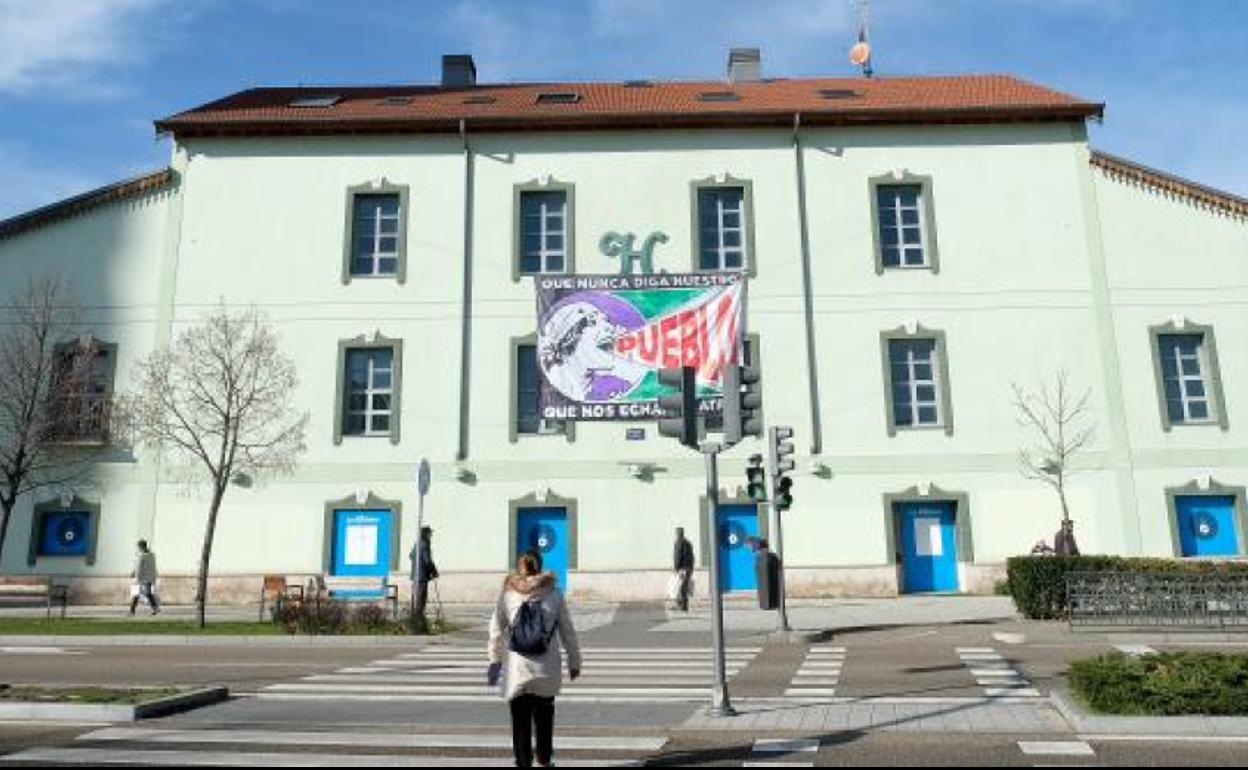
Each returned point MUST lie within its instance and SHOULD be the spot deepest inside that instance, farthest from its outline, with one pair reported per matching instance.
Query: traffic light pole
(778, 518)
(720, 704)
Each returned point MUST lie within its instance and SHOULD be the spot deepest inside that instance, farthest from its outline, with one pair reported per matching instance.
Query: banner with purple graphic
(602, 338)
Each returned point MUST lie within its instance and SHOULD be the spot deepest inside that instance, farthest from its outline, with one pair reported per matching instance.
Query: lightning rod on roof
(860, 54)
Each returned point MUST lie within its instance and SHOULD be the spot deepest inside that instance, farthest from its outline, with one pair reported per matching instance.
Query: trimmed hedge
(1038, 583)
(1164, 684)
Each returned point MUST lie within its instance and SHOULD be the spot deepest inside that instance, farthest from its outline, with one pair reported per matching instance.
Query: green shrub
(1164, 684)
(1038, 583)
(314, 617)
(373, 619)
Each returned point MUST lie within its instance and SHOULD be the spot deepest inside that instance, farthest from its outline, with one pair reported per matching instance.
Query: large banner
(601, 340)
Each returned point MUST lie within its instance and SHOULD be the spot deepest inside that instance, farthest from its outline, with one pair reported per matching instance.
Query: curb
(111, 712)
(1099, 724)
(173, 640)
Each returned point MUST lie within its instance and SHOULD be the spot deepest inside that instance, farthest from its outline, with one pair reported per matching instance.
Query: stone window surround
(363, 342)
(110, 350)
(544, 184)
(931, 251)
(550, 500)
(1212, 488)
(56, 505)
(750, 265)
(513, 414)
(919, 332)
(371, 503)
(1213, 377)
(377, 187)
(962, 522)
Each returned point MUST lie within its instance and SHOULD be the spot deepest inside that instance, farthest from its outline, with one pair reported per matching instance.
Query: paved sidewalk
(823, 615)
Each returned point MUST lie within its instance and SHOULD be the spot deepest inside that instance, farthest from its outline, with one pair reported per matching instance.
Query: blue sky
(82, 80)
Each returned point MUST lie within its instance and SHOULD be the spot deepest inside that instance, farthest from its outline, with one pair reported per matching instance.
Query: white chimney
(458, 71)
(745, 65)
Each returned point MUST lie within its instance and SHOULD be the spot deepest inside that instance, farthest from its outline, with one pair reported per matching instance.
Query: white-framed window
(375, 234)
(369, 392)
(543, 231)
(903, 236)
(915, 371)
(721, 228)
(1184, 373)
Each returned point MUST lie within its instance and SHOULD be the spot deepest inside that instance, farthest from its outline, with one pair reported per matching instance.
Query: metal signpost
(422, 486)
(720, 704)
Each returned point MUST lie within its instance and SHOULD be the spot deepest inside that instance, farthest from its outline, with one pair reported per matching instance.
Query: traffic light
(784, 495)
(681, 420)
(780, 446)
(743, 403)
(755, 476)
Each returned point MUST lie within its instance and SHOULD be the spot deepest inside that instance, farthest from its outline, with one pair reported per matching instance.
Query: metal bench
(38, 588)
(360, 589)
(278, 591)
(1155, 600)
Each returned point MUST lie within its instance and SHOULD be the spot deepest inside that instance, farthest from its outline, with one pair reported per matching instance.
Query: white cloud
(68, 43)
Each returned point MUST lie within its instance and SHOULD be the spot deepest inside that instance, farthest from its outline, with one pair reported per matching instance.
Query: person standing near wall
(682, 565)
(144, 576)
(529, 625)
(423, 570)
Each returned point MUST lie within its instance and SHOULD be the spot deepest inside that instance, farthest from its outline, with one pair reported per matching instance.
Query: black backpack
(529, 636)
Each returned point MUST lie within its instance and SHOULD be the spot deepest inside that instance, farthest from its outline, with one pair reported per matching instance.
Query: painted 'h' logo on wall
(619, 246)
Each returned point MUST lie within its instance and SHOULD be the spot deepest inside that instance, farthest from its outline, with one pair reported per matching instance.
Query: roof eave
(182, 127)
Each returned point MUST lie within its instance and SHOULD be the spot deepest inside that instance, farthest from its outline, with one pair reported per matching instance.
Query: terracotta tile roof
(71, 207)
(634, 104)
(1135, 173)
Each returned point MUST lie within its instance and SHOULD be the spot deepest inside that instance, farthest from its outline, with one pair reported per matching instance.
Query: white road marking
(372, 740)
(271, 759)
(785, 745)
(1056, 748)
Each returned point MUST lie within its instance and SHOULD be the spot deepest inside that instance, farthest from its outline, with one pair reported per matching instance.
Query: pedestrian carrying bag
(529, 635)
(673, 588)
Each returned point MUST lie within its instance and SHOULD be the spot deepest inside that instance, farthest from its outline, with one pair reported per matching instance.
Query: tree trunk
(6, 512)
(201, 591)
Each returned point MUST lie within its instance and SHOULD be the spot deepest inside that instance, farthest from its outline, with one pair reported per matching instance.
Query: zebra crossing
(215, 747)
(995, 675)
(819, 673)
(450, 674)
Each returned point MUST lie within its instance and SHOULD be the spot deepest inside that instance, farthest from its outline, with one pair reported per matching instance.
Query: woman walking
(530, 625)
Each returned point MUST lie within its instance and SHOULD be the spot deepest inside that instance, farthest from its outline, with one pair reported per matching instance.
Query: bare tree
(42, 374)
(1064, 426)
(219, 401)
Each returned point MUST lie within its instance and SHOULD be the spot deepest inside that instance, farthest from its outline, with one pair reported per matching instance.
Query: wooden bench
(360, 589)
(38, 588)
(278, 591)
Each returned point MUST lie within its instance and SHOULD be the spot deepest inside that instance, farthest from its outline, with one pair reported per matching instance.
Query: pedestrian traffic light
(784, 495)
(755, 477)
(743, 403)
(680, 406)
(780, 447)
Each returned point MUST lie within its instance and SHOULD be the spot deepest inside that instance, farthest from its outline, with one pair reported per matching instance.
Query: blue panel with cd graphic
(545, 531)
(737, 525)
(65, 533)
(1206, 525)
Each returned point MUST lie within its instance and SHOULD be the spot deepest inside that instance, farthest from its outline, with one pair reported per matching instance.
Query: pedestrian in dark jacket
(1064, 541)
(423, 571)
(682, 565)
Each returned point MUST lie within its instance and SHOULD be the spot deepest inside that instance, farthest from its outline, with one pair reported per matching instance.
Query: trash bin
(767, 570)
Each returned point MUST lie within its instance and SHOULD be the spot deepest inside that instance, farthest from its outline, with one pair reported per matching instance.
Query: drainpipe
(816, 431)
(465, 357)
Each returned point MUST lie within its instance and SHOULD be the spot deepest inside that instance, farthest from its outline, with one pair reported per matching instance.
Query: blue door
(545, 530)
(736, 559)
(361, 546)
(1207, 525)
(929, 551)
